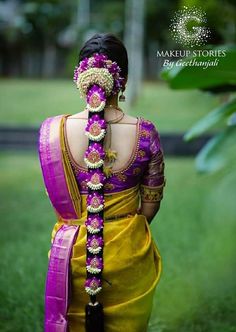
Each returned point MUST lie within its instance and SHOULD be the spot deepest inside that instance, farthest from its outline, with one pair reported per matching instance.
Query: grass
(173, 110)
(194, 231)
(31, 101)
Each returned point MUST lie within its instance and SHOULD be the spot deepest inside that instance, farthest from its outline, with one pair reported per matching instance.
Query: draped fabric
(132, 267)
(58, 283)
(132, 262)
(60, 183)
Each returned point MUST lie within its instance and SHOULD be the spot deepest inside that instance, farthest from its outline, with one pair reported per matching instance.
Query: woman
(104, 174)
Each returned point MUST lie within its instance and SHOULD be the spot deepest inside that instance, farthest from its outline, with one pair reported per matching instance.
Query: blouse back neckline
(129, 162)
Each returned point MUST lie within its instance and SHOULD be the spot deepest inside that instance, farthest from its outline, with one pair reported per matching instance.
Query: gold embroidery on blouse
(109, 186)
(121, 177)
(145, 133)
(141, 154)
(136, 170)
(152, 194)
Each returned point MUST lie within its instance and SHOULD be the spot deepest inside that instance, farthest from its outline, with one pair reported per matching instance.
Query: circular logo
(187, 27)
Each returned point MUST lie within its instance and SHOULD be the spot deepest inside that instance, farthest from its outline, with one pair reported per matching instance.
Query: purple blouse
(146, 166)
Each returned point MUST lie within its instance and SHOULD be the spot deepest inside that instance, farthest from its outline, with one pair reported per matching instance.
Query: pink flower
(93, 285)
(94, 244)
(94, 264)
(94, 224)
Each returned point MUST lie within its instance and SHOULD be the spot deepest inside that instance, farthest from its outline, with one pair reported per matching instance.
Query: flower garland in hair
(96, 77)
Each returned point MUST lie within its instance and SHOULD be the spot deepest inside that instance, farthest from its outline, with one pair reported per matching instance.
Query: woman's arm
(149, 210)
(153, 180)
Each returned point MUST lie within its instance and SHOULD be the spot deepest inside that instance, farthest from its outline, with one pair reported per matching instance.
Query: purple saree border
(58, 283)
(50, 157)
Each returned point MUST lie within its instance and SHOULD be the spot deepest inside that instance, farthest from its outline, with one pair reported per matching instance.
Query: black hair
(109, 44)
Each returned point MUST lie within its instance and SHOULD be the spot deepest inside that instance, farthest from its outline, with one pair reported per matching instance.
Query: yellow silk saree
(132, 262)
(132, 267)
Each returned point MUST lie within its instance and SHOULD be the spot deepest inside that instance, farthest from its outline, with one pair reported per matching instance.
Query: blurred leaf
(191, 77)
(222, 148)
(211, 119)
(232, 120)
(219, 151)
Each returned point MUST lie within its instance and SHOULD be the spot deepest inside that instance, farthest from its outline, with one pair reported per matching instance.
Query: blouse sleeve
(153, 179)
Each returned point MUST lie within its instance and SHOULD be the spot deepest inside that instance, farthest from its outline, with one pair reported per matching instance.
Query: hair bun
(95, 76)
(98, 70)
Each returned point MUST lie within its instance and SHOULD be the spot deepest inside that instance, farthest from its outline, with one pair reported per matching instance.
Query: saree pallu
(132, 262)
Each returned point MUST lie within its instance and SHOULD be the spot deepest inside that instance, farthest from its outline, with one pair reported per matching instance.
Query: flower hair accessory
(94, 224)
(94, 244)
(93, 286)
(96, 128)
(96, 77)
(95, 202)
(96, 179)
(96, 99)
(98, 70)
(94, 264)
(94, 155)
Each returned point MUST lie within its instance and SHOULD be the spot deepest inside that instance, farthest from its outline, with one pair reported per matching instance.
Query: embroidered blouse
(145, 166)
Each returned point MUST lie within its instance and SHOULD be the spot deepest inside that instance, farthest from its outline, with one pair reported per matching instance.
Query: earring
(122, 96)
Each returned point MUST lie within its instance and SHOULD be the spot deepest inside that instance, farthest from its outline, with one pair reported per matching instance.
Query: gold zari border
(152, 194)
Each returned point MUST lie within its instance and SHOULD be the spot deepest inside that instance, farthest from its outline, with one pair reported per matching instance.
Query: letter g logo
(187, 27)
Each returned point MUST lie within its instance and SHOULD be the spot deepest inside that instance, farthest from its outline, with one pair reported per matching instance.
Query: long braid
(94, 310)
(97, 78)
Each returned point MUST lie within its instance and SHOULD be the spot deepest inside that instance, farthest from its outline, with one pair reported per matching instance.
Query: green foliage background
(194, 229)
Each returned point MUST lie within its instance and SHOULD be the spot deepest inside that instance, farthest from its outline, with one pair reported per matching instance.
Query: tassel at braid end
(94, 317)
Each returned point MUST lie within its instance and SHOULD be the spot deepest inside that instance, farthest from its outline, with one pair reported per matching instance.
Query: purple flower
(94, 264)
(95, 241)
(96, 118)
(94, 224)
(101, 61)
(95, 200)
(94, 155)
(96, 128)
(96, 176)
(93, 285)
(95, 147)
(95, 261)
(83, 65)
(96, 89)
(94, 244)
(114, 68)
(93, 282)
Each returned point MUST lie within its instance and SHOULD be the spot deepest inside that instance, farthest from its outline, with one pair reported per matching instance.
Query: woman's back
(122, 138)
(136, 142)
